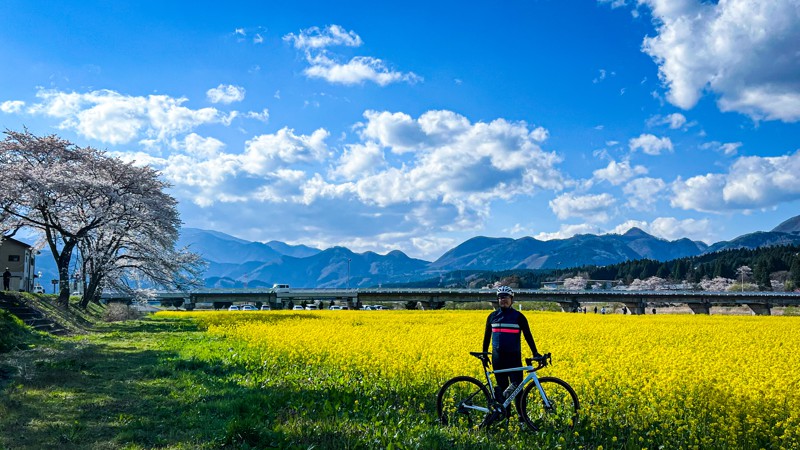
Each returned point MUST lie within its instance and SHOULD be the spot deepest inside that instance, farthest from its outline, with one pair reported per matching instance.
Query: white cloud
(358, 70)
(644, 192)
(359, 161)
(225, 94)
(12, 106)
(741, 50)
(591, 207)
(316, 38)
(461, 164)
(113, 118)
(199, 146)
(728, 148)
(567, 231)
(670, 228)
(618, 173)
(267, 151)
(751, 183)
(650, 144)
(262, 116)
(675, 121)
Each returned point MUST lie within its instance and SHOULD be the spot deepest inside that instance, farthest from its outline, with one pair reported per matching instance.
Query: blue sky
(415, 126)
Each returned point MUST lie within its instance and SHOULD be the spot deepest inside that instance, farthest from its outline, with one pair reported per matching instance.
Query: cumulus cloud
(751, 183)
(675, 121)
(329, 67)
(360, 160)
(113, 118)
(267, 151)
(457, 162)
(318, 38)
(650, 144)
(12, 106)
(225, 94)
(356, 71)
(643, 193)
(728, 148)
(618, 173)
(670, 228)
(566, 231)
(262, 116)
(744, 52)
(591, 207)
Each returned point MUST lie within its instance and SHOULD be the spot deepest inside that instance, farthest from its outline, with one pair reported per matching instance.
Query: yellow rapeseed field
(682, 381)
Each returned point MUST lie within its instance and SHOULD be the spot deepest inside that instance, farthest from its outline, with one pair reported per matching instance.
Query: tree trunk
(91, 293)
(63, 273)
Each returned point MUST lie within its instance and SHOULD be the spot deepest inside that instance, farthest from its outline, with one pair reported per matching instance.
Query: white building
(20, 259)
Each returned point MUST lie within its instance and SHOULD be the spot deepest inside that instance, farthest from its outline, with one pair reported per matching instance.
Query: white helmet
(505, 290)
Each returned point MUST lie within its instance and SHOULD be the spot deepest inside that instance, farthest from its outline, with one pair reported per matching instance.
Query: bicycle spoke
(463, 402)
(561, 411)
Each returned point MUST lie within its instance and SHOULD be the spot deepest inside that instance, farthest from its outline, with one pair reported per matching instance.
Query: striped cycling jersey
(505, 326)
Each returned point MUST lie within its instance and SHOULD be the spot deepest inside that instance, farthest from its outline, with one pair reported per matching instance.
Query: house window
(13, 258)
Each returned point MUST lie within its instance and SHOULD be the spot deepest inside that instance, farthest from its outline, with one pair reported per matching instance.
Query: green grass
(166, 384)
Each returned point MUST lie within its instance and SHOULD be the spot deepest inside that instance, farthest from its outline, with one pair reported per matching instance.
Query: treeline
(780, 263)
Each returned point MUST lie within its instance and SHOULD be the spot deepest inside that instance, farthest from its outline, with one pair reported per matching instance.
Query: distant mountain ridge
(235, 262)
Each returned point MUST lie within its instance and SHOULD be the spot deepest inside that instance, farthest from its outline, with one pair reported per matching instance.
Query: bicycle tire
(455, 400)
(563, 413)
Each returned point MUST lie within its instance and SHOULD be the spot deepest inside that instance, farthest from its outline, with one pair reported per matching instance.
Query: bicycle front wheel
(463, 402)
(560, 413)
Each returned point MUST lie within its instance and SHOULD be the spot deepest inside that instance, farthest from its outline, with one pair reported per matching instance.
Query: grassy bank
(358, 379)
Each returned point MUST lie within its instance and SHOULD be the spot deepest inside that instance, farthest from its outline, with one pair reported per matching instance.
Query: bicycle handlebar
(541, 360)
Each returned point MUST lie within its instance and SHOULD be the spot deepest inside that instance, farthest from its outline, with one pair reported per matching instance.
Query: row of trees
(713, 271)
(111, 218)
(781, 263)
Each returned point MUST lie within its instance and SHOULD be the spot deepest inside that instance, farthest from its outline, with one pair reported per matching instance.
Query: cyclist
(503, 328)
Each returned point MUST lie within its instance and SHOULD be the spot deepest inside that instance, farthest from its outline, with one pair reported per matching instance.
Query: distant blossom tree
(575, 283)
(649, 284)
(115, 215)
(718, 284)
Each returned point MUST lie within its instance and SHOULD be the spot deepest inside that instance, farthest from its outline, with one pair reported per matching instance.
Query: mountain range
(235, 262)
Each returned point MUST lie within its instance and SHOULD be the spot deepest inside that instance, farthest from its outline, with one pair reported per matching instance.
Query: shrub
(118, 312)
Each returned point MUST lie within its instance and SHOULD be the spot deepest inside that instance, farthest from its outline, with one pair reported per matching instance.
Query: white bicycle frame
(507, 402)
(531, 376)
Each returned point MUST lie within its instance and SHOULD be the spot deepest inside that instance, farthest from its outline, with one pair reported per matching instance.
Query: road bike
(547, 403)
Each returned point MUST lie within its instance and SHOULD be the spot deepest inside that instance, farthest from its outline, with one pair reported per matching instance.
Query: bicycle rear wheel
(561, 415)
(463, 402)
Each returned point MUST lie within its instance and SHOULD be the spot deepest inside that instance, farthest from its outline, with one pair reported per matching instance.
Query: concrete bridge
(636, 302)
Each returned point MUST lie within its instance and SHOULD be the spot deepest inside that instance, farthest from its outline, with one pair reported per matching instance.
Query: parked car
(378, 307)
(265, 308)
(38, 289)
(248, 308)
(335, 308)
(233, 308)
(311, 308)
(297, 308)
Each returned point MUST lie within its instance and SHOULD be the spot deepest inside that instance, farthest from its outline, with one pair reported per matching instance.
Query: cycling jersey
(503, 328)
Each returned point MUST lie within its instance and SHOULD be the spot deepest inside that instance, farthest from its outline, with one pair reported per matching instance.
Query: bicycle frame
(531, 377)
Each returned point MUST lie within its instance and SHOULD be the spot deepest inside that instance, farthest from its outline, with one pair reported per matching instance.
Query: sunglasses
(503, 296)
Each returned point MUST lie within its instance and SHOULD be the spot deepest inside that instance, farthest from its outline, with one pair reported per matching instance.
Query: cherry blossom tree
(575, 283)
(717, 284)
(117, 216)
